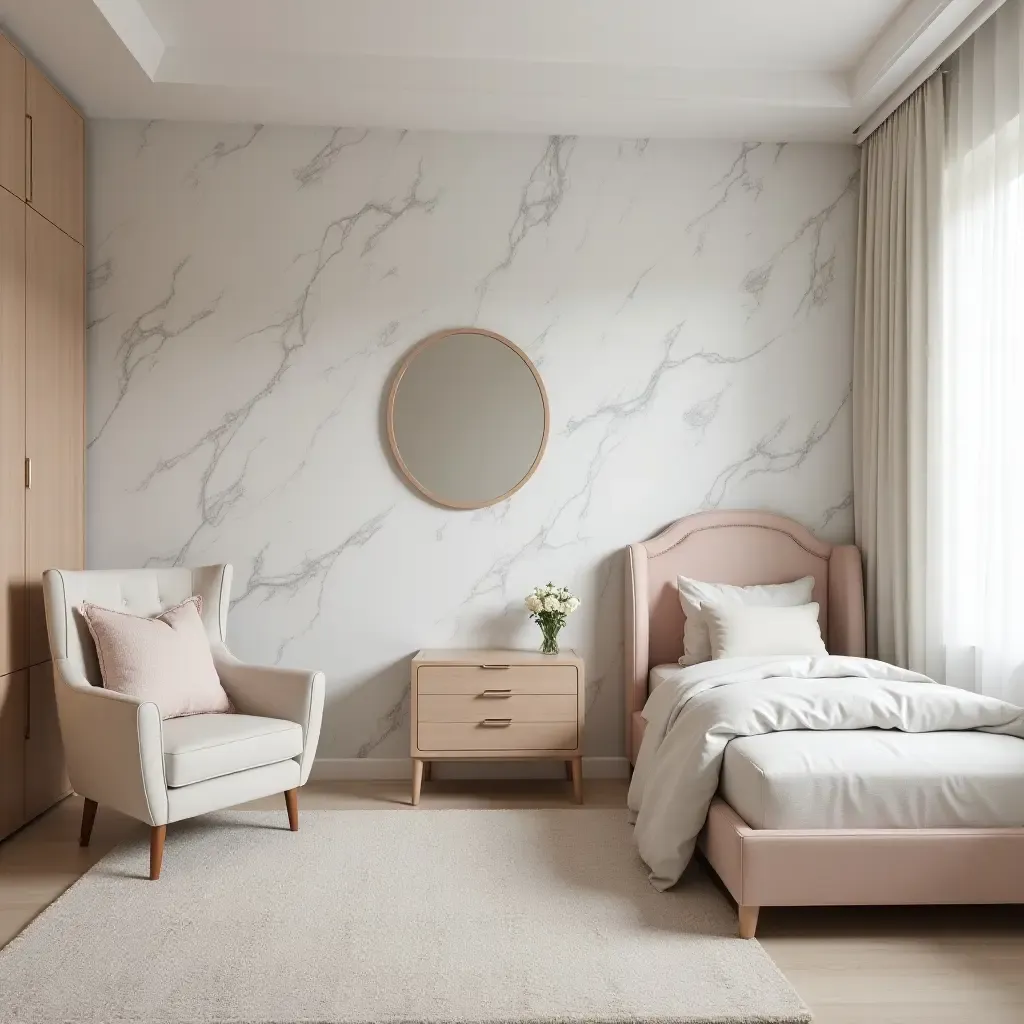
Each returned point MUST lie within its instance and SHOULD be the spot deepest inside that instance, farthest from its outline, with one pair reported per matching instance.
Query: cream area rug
(450, 916)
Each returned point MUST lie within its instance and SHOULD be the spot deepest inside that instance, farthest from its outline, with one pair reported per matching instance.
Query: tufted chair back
(138, 591)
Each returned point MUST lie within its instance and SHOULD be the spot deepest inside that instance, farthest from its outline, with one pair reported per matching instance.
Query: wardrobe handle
(28, 473)
(496, 723)
(495, 668)
(30, 147)
(496, 693)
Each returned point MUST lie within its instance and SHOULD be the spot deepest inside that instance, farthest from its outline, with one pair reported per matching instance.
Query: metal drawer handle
(496, 723)
(495, 668)
(496, 693)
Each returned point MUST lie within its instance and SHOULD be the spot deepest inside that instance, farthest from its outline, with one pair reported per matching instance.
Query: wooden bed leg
(748, 922)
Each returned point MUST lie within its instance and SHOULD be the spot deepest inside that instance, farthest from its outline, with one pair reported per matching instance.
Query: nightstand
(497, 705)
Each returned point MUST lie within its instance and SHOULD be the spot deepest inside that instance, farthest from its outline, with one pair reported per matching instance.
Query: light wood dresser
(497, 705)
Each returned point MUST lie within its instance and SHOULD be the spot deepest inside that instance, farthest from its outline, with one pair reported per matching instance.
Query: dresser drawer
(514, 679)
(468, 736)
(523, 707)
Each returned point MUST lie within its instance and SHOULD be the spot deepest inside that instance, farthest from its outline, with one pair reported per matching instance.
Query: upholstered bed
(870, 816)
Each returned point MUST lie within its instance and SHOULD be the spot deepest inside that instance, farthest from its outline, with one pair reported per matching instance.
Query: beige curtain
(895, 403)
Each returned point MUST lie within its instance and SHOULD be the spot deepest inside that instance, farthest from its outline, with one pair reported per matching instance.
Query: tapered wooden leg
(577, 779)
(748, 922)
(157, 835)
(88, 817)
(291, 801)
(428, 770)
(417, 780)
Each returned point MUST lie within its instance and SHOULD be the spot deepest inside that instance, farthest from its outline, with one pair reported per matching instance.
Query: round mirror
(467, 418)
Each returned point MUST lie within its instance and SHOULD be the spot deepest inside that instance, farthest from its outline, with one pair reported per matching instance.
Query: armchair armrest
(113, 745)
(291, 694)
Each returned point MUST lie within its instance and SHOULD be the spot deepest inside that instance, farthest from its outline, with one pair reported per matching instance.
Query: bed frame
(798, 867)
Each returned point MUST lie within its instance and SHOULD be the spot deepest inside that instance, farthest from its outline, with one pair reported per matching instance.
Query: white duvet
(692, 716)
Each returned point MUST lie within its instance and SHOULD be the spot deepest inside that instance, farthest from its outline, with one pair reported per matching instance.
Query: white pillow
(742, 632)
(695, 593)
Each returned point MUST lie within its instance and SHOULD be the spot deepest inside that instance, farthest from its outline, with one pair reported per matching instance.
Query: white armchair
(120, 754)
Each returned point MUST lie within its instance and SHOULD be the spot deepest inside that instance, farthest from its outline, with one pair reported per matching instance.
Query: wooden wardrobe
(42, 415)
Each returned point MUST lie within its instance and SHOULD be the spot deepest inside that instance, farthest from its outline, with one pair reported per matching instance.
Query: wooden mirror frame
(433, 339)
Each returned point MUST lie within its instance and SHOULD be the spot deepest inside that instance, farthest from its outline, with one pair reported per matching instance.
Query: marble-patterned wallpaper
(252, 289)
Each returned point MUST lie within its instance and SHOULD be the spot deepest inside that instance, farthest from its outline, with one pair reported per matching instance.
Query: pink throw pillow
(165, 659)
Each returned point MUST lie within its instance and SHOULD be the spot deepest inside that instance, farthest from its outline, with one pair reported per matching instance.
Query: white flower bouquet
(549, 606)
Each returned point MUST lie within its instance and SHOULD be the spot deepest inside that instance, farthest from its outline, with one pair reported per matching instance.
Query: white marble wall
(251, 290)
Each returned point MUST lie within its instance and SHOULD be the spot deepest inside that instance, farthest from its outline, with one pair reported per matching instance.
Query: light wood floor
(954, 965)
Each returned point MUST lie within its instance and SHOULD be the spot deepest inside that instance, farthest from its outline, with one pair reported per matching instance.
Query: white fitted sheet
(875, 778)
(659, 674)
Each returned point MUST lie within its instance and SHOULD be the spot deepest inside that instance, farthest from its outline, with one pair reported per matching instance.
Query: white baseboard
(383, 768)
(369, 768)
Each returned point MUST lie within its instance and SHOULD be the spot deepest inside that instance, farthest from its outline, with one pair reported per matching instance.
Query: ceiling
(758, 69)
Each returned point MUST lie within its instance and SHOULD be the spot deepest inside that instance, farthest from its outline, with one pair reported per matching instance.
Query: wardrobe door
(13, 724)
(54, 415)
(12, 119)
(13, 653)
(46, 779)
(56, 156)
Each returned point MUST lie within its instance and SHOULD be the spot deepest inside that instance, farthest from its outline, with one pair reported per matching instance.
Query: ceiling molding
(934, 59)
(600, 82)
(128, 19)
(791, 70)
(918, 31)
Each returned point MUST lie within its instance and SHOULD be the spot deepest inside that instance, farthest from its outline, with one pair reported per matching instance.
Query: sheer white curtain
(976, 452)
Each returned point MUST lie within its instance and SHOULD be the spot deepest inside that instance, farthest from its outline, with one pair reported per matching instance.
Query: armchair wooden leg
(748, 922)
(157, 835)
(88, 817)
(291, 801)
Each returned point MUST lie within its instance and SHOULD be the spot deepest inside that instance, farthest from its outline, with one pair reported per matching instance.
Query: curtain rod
(980, 15)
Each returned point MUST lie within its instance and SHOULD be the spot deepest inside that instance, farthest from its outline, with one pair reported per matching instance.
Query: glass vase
(549, 640)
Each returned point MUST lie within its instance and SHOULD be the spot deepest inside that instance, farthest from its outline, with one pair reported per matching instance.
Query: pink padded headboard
(741, 548)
